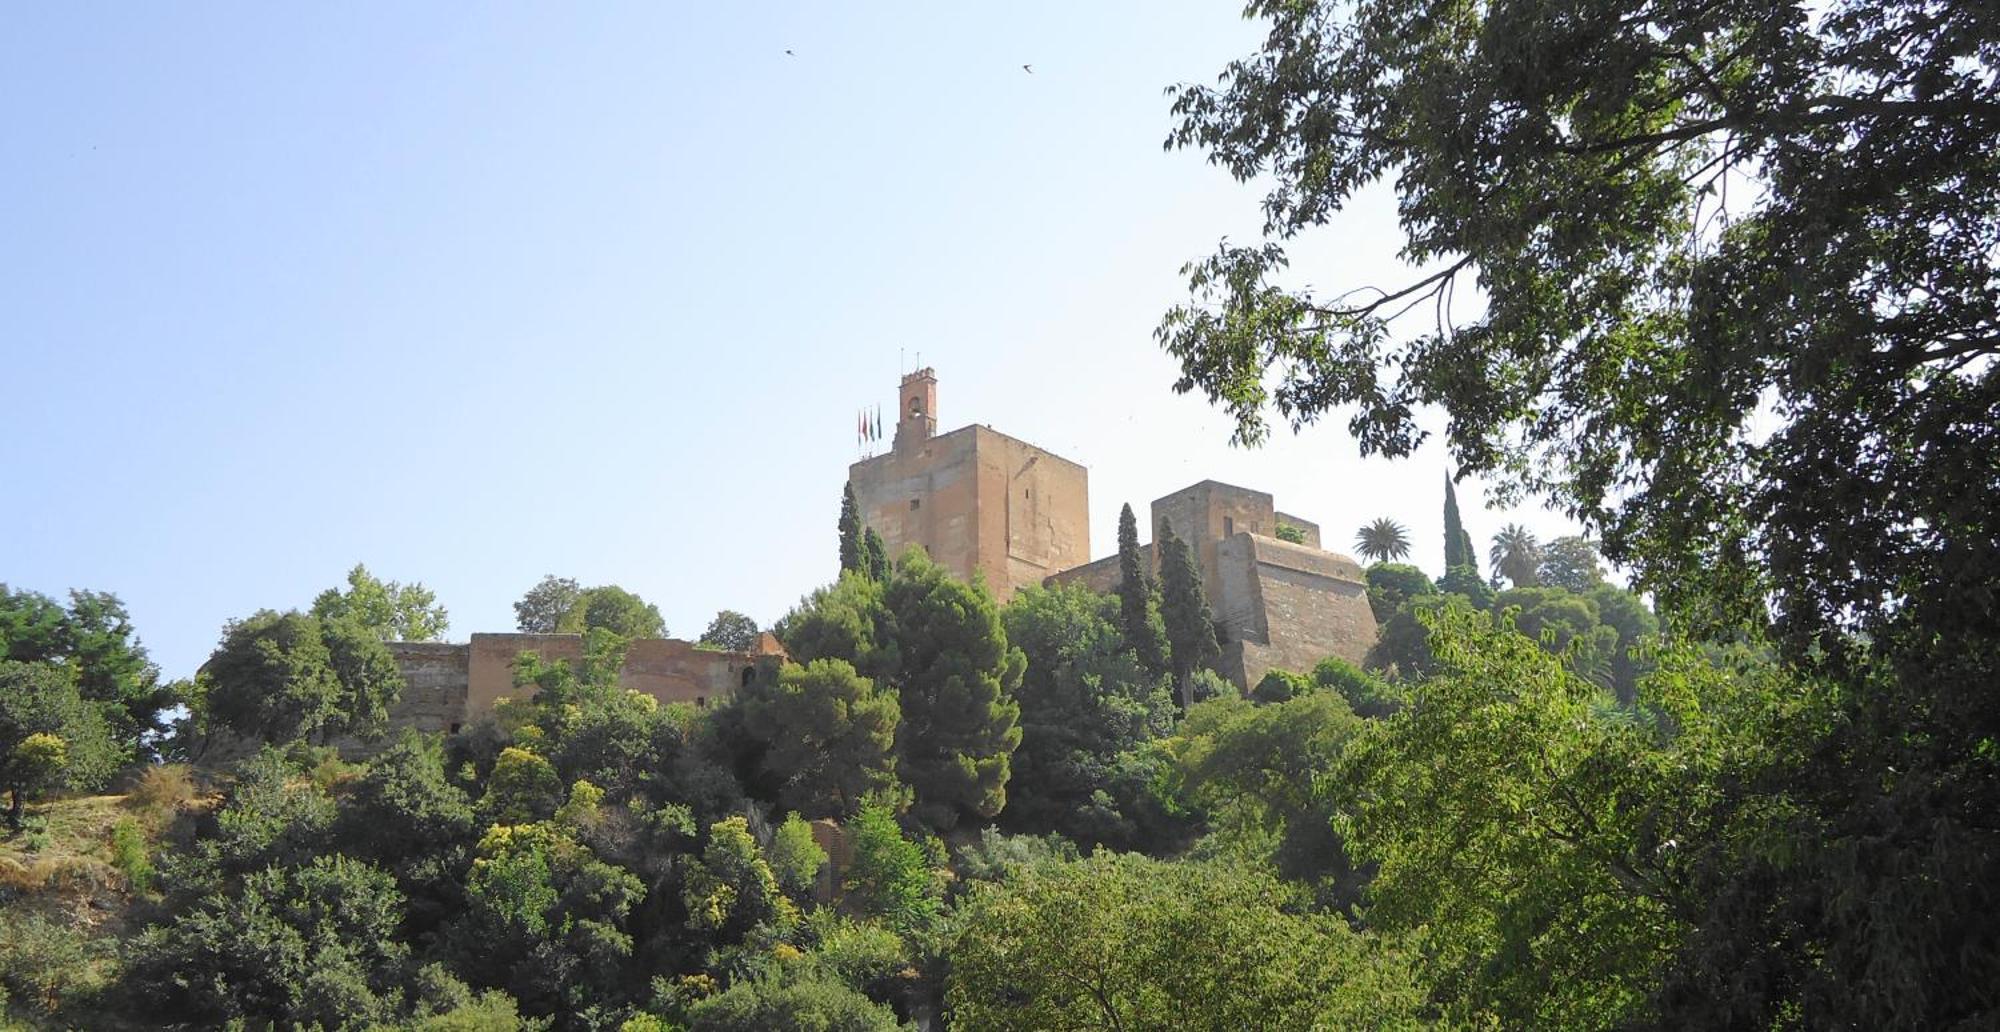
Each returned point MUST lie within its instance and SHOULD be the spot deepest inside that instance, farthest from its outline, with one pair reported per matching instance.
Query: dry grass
(161, 791)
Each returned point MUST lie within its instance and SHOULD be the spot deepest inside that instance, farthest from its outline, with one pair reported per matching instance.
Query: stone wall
(980, 502)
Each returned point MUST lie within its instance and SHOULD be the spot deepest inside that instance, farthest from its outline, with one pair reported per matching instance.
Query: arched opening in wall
(454, 729)
(916, 405)
(701, 702)
(749, 675)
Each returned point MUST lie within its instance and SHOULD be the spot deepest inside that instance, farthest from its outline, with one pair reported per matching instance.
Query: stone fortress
(985, 506)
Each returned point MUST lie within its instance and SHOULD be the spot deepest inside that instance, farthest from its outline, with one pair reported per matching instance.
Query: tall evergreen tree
(850, 530)
(1136, 599)
(1190, 628)
(1458, 550)
(874, 556)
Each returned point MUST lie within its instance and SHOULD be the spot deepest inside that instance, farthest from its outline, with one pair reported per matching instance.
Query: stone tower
(980, 502)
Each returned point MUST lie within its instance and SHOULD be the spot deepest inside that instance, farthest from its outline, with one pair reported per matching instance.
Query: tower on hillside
(980, 502)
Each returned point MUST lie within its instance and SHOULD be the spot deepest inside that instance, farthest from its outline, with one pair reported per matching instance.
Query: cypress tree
(1190, 628)
(1136, 599)
(874, 556)
(1455, 538)
(850, 530)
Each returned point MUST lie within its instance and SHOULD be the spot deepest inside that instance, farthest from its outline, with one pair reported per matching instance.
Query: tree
(612, 608)
(1571, 563)
(51, 737)
(828, 736)
(795, 856)
(889, 877)
(955, 675)
(1458, 550)
(1392, 584)
(1190, 628)
(1516, 556)
(1138, 598)
(312, 946)
(544, 606)
(850, 531)
(388, 610)
(874, 555)
(1119, 941)
(813, 1003)
(731, 631)
(731, 891)
(278, 677)
(1382, 541)
(1291, 532)
(94, 636)
(1776, 405)
(1085, 700)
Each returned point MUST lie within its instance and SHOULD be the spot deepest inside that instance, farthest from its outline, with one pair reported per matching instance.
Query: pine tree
(1137, 601)
(850, 530)
(1190, 628)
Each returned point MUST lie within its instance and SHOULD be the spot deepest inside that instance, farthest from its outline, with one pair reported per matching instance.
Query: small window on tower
(1228, 526)
(701, 702)
(915, 503)
(749, 674)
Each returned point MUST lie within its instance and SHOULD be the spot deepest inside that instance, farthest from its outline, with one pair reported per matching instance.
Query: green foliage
(523, 787)
(1516, 556)
(1183, 606)
(1119, 941)
(46, 964)
(997, 856)
(890, 878)
(546, 604)
(280, 677)
(844, 621)
(545, 919)
(731, 631)
(128, 854)
(384, 610)
(795, 856)
(51, 737)
(1458, 550)
(1382, 541)
(802, 1005)
(955, 675)
(850, 532)
(311, 944)
(1138, 599)
(1580, 859)
(732, 891)
(1281, 686)
(1390, 585)
(1085, 699)
(1288, 532)
(874, 556)
(95, 639)
(827, 734)
(1464, 581)
(1572, 563)
(1366, 694)
(1255, 771)
(612, 608)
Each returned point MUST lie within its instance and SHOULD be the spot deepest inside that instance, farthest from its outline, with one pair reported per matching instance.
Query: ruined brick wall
(434, 684)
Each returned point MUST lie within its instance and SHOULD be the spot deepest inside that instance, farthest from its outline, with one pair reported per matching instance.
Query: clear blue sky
(478, 294)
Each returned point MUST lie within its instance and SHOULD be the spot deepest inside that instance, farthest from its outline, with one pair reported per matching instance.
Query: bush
(162, 790)
(128, 854)
(809, 1005)
(44, 963)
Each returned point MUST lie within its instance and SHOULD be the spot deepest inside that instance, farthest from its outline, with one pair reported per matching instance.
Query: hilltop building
(1277, 604)
(448, 685)
(980, 502)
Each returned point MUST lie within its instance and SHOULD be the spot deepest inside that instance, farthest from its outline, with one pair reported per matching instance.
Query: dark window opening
(1228, 526)
(914, 503)
(749, 674)
(701, 702)
(454, 729)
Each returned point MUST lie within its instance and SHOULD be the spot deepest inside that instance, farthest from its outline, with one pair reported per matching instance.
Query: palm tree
(1516, 555)
(1382, 541)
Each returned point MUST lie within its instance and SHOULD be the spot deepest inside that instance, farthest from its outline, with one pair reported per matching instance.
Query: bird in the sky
(1030, 69)
(790, 54)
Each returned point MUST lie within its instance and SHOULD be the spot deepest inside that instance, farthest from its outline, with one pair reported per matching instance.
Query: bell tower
(916, 408)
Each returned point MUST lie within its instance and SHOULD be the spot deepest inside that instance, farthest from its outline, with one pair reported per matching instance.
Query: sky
(474, 296)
